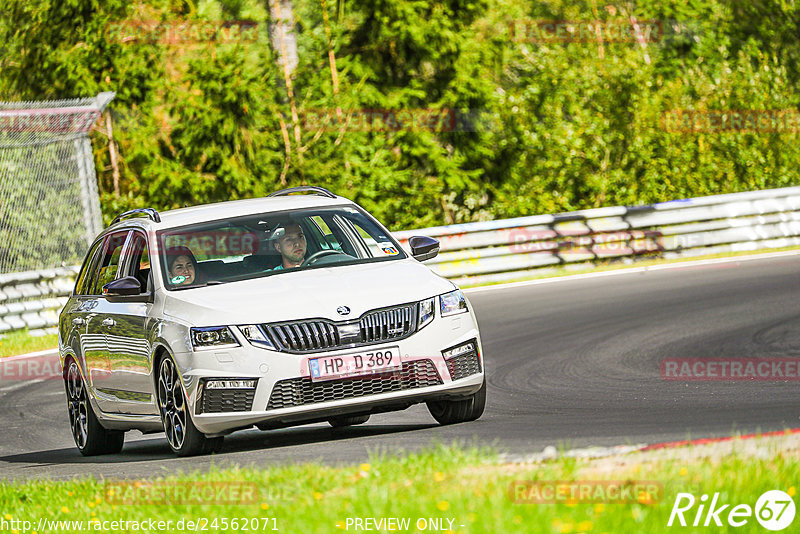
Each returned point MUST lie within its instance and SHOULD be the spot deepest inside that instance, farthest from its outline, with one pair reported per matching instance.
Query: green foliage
(546, 125)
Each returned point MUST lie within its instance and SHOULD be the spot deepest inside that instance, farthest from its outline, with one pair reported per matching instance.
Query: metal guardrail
(513, 249)
(34, 299)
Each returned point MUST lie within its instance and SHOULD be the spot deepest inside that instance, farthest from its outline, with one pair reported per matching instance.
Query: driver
(291, 245)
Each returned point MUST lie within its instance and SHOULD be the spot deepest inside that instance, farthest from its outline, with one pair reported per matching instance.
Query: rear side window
(85, 277)
(109, 262)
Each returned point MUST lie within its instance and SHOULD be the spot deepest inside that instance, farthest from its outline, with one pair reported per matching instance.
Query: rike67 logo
(774, 510)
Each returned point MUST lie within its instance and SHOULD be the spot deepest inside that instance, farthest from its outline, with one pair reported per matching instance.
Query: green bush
(555, 126)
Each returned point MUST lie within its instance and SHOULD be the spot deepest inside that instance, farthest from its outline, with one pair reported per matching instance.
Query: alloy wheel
(77, 404)
(172, 403)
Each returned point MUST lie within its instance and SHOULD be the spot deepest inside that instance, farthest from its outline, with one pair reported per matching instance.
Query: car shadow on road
(156, 448)
(296, 436)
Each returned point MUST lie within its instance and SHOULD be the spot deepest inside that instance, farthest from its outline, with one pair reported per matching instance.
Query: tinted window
(109, 262)
(85, 277)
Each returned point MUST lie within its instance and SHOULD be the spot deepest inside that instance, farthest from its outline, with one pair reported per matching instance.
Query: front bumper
(285, 395)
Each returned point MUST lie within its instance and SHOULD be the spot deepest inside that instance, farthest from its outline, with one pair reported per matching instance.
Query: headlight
(452, 303)
(425, 314)
(255, 335)
(215, 337)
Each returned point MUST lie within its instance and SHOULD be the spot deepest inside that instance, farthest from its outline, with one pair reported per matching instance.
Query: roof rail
(138, 212)
(303, 189)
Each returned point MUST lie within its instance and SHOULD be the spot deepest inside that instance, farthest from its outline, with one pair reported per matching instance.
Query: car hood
(313, 293)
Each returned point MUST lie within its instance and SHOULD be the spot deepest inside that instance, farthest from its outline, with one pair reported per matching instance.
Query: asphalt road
(573, 363)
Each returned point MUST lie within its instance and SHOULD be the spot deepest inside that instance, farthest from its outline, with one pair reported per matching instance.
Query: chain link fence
(49, 205)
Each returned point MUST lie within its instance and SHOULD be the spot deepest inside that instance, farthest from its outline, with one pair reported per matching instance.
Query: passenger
(183, 269)
(290, 242)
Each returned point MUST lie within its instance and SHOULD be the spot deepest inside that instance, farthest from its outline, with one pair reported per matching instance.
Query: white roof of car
(237, 208)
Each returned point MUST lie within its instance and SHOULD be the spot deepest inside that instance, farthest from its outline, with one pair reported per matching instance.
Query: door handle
(109, 322)
(78, 321)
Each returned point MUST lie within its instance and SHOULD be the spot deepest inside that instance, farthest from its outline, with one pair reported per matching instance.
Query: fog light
(459, 350)
(230, 384)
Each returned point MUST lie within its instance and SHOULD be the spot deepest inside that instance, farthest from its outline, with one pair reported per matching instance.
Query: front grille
(464, 365)
(305, 336)
(302, 391)
(385, 325)
(376, 326)
(227, 400)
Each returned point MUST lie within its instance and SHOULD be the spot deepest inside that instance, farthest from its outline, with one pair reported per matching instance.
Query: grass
(459, 489)
(21, 342)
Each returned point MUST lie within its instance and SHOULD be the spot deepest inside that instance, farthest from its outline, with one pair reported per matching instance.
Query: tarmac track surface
(573, 363)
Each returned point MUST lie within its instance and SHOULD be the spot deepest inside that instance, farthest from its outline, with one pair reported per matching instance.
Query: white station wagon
(270, 312)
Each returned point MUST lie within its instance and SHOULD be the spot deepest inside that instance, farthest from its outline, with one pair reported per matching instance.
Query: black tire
(459, 411)
(478, 402)
(89, 435)
(348, 420)
(183, 437)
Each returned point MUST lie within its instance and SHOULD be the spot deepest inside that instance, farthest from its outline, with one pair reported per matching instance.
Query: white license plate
(355, 364)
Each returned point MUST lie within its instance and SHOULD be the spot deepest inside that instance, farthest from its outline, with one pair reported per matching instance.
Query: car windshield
(271, 244)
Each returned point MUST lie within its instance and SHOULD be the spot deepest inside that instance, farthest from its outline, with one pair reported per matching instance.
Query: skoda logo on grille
(343, 310)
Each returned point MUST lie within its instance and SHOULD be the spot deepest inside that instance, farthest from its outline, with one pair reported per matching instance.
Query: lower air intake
(302, 391)
(464, 365)
(227, 400)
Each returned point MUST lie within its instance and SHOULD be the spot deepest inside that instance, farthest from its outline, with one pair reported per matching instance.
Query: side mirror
(126, 286)
(423, 247)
